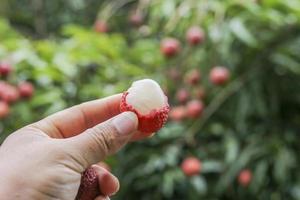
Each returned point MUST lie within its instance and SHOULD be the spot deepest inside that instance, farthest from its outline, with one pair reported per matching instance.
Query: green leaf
(239, 29)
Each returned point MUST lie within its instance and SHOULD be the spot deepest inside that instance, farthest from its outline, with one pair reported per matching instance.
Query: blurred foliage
(253, 122)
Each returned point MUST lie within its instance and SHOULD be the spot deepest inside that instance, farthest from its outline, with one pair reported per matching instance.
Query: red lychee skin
(26, 89)
(219, 75)
(170, 47)
(89, 186)
(9, 93)
(136, 19)
(192, 77)
(149, 123)
(194, 108)
(177, 113)
(195, 35)
(191, 166)
(182, 95)
(245, 177)
(101, 26)
(5, 69)
(4, 110)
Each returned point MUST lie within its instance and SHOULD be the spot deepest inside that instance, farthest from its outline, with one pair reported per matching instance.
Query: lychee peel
(147, 100)
(89, 186)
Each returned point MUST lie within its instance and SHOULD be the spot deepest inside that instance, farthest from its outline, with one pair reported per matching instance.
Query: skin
(45, 160)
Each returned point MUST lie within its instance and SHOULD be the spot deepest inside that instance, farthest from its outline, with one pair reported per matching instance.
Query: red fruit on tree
(219, 75)
(10, 94)
(147, 100)
(192, 77)
(194, 108)
(4, 109)
(5, 69)
(101, 26)
(26, 89)
(136, 19)
(170, 47)
(191, 166)
(177, 113)
(195, 35)
(182, 95)
(245, 177)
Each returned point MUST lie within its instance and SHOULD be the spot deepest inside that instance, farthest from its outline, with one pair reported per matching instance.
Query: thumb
(103, 139)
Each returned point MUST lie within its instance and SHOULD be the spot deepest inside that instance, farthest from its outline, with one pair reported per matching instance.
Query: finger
(102, 140)
(108, 183)
(75, 120)
(102, 198)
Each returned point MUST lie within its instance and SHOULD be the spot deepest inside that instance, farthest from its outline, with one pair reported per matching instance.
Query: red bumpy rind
(89, 186)
(150, 122)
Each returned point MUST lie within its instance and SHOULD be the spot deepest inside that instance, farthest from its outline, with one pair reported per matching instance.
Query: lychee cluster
(10, 93)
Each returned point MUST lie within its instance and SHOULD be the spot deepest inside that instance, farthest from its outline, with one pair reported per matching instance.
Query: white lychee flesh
(146, 95)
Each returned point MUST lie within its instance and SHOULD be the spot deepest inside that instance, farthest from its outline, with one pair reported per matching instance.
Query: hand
(45, 160)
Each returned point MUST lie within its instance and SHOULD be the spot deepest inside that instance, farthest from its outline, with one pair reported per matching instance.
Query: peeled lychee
(5, 69)
(192, 77)
(26, 89)
(4, 110)
(101, 26)
(147, 100)
(219, 75)
(195, 35)
(177, 113)
(182, 95)
(191, 166)
(245, 177)
(89, 186)
(194, 108)
(170, 47)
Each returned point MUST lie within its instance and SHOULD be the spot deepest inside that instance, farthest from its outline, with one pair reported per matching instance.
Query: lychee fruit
(5, 69)
(147, 100)
(191, 166)
(26, 89)
(195, 35)
(182, 95)
(4, 109)
(245, 177)
(170, 47)
(219, 75)
(101, 26)
(177, 113)
(194, 108)
(89, 185)
(192, 77)
(9, 94)
(136, 19)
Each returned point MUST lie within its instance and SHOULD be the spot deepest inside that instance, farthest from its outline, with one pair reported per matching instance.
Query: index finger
(75, 120)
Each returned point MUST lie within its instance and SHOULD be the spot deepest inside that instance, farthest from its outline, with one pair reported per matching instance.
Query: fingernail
(125, 123)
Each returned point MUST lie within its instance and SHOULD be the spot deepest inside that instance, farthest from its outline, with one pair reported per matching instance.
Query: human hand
(45, 160)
